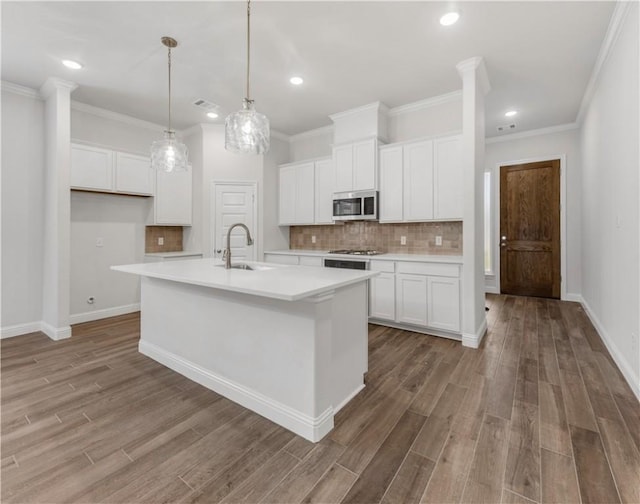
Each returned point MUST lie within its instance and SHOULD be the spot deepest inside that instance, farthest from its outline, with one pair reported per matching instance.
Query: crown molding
(305, 135)
(369, 106)
(613, 32)
(280, 136)
(425, 104)
(532, 133)
(475, 64)
(53, 84)
(10, 87)
(115, 116)
(196, 128)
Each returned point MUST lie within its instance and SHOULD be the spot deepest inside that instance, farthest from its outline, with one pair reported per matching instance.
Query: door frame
(212, 211)
(495, 236)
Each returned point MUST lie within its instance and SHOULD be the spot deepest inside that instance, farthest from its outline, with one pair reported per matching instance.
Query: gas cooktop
(366, 252)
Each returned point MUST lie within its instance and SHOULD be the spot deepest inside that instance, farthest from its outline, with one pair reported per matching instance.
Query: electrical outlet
(403, 240)
(91, 300)
(160, 240)
(313, 238)
(99, 242)
(438, 241)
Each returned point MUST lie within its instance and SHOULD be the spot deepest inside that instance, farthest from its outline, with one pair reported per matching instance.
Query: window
(488, 262)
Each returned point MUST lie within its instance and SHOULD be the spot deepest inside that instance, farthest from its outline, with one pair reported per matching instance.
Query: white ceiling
(539, 55)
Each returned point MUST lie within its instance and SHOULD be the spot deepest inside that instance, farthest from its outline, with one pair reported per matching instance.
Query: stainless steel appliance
(358, 205)
(346, 263)
(364, 252)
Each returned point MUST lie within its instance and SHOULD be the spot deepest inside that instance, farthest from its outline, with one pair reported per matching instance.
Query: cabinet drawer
(431, 269)
(385, 266)
(310, 261)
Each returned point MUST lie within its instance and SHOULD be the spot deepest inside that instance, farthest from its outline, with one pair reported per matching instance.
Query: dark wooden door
(530, 229)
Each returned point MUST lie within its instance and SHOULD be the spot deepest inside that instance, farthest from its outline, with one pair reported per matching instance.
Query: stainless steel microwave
(358, 205)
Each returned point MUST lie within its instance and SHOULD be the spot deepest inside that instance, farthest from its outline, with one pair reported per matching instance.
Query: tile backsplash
(172, 236)
(421, 237)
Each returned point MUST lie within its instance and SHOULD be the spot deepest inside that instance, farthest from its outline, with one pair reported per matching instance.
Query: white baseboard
(491, 289)
(576, 298)
(20, 329)
(79, 318)
(632, 378)
(429, 331)
(56, 333)
(313, 429)
(474, 340)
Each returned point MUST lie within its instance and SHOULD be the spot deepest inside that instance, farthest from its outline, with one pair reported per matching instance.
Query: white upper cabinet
(133, 174)
(418, 181)
(91, 168)
(173, 198)
(421, 181)
(324, 192)
(356, 166)
(391, 184)
(447, 178)
(297, 194)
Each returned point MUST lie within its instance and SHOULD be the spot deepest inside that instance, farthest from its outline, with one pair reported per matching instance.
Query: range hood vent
(206, 105)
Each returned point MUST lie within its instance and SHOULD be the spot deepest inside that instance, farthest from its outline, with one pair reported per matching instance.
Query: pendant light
(169, 154)
(247, 131)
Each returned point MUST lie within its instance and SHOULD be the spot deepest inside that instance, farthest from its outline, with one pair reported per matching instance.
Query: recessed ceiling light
(74, 65)
(449, 18)
(296, 81)
(511, 113)
(212, 115)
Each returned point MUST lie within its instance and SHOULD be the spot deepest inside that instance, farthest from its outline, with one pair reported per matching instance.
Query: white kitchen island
(288, 342)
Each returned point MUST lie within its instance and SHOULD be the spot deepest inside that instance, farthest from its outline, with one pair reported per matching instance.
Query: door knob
(218, 251)
(504, 238)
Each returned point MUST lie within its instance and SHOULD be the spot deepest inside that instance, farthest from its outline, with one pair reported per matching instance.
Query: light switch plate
(438, 241)
(313, 238)
(160, 240)
(99, 242)
(403, 240)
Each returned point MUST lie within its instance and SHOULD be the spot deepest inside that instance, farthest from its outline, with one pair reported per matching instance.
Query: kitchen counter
(380, 257)
(268, 280)
(181, 253)
(289, 343)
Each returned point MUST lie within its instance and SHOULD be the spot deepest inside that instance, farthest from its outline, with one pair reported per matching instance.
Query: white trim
(212, 212)
(53, 84)
(378, 105)
(280, 136)
(20, 329)
(573, 297)
(79, 318)
(531, 133)
(348, 399)
(312, 428)
(491, 289)
(56, 333)
(613, 31)
(474, 340)
(429, 331)
(115, 116)
(10, 87)
(632, 379)
(563, 215)
(477, 66)
(324, 130)
(426, 103)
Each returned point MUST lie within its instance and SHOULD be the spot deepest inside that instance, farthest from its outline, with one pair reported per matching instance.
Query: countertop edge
(380, 257)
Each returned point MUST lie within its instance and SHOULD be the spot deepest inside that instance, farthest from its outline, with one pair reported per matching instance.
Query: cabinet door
(305, 181)
(411, 299)
(443, 296)
(382, 296)
(324, 192)
(365, 158)
(91, 168)
(173, 198)
(447, 178)
(343, 168)
(133, 174)
(287, 210)
(391, 184)
(418, 181)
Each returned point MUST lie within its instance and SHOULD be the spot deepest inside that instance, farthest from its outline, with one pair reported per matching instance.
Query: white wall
(22, 209)
(549, 146)
(436, 119)
(610, 193)
(275, 237)
(118, 220)
(311, 144)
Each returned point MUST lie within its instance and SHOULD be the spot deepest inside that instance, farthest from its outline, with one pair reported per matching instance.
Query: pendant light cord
(248, 45)
(169, 64)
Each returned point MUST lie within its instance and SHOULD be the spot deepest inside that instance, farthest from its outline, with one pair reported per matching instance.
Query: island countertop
(276, 281)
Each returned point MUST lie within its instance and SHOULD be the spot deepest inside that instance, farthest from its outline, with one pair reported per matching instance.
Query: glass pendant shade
(169, 155)
(247, 131)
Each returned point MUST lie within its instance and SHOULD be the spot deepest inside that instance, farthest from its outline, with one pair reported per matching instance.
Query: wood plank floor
(539, 414)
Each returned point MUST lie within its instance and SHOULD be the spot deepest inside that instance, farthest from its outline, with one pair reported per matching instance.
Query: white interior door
(235, 202)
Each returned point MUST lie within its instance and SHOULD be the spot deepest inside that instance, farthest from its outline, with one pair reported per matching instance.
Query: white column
(475, 85)
(57, 208)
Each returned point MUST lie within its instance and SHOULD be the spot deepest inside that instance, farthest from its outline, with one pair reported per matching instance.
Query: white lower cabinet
(418, 294)
(443, 303)
(411, 299)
